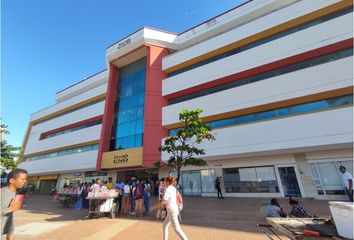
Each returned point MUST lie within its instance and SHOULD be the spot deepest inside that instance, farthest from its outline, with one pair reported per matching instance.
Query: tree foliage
(8, 152)
(183, 146)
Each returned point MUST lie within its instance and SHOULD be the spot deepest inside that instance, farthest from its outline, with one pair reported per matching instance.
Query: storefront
(327, 178)
(76, 178)
(42, 184)
(92, 176)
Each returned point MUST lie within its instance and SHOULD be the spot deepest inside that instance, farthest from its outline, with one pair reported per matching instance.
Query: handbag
(161, 213)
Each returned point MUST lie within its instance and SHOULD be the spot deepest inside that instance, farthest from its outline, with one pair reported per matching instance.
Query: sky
(48, 45)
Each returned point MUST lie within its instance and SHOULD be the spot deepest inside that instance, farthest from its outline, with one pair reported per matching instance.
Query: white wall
(83, 86)
(84, 161)
(92, 133)
(298, 133)
(299, 42)
(101, 89)
(228, 20)
(244, 26)
(324, 77)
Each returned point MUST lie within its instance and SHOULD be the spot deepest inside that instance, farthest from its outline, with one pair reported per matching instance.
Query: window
(327, 178)
(263, 41)
(129, 124)
(63, 152)
(250, 180)
(239, 82)
(87, 125)
(281, 112)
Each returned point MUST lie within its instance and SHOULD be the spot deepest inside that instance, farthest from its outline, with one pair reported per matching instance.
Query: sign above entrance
(43, 177)
(123, 158)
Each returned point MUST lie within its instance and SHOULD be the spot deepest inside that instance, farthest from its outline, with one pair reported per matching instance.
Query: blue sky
(47, 45)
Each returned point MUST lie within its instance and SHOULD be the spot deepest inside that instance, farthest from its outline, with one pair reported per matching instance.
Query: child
(16, 179)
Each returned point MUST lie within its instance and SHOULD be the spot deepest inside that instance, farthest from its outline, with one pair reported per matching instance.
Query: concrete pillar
(305, 176)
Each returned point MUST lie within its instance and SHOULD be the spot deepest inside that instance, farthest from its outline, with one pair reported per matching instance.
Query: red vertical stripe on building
(108, 114)
(154, 102)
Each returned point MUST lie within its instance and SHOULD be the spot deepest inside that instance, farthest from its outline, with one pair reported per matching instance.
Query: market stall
(66, 197)
(102, 201)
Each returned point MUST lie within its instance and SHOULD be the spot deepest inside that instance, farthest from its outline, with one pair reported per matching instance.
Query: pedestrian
(297, 210)
(218, 187)
(126, 198)
(96, 186)
(274, 209)
(132, 200)
(170, 202)
(16, 179)
(348, 182)
(109, 184)
(147, 195)
(161, 188)
(119, 186)
(138, 193)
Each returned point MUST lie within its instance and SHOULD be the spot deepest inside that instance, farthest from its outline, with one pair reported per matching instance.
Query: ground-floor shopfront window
(327, 178)
(90, 177)
(194, 183)
(250, 180)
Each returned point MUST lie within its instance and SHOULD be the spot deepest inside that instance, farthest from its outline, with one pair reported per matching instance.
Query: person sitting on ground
(297, 210)
(274, 209)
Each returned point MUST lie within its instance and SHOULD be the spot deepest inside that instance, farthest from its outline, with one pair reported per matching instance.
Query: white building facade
(274, 80)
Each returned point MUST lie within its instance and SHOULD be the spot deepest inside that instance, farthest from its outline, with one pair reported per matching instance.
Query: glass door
(191, 183)
(196, 185)
(289, 181)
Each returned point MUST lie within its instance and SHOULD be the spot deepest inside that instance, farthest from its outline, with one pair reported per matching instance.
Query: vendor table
(68, 199)
(99, 205)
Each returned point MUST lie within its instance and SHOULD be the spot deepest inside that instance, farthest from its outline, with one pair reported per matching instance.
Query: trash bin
(342, 213)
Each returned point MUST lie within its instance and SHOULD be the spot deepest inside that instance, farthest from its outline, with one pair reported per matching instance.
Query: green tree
(183, 146)
(8, 152)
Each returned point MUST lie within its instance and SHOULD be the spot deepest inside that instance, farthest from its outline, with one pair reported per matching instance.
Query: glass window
(132, 126)
(247, 118)
(132, 100)
(316, 179)
(266, 115)
(139, 126)
(253, 179)
(138, 140)
(282, 112)
(308, 107)
(330, 178)
(340, 101)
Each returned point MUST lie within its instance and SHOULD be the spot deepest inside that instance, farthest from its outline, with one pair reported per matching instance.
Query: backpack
(147, 187)
(139, 191)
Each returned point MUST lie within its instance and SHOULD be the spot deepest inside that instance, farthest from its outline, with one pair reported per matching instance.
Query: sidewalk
(202, 218)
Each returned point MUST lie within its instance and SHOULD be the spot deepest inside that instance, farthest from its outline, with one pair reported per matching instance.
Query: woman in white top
(96, 186)
(170, 201)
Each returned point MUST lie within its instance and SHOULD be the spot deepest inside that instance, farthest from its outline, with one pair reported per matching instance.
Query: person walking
(147, 194)
(218, 188)
(348, 182)
(138, 193)
(10, 203)
(170, 202)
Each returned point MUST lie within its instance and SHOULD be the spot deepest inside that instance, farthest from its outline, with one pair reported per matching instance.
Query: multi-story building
(274, 80)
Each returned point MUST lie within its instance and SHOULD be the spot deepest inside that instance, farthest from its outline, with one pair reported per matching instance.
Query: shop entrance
(46, 185)
(151, 174)
(289, 181)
